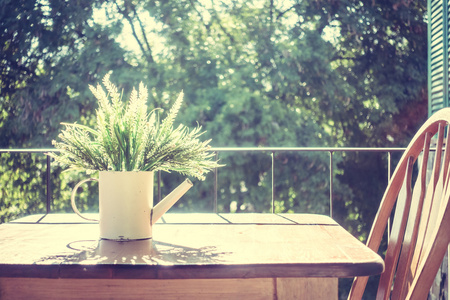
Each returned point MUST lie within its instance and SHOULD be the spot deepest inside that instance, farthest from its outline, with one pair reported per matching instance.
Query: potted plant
(126, 146)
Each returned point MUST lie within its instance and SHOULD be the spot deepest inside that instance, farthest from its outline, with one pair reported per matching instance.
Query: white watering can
(126, 209)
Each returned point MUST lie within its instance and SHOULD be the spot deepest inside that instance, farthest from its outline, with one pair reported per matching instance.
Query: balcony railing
(271, 150)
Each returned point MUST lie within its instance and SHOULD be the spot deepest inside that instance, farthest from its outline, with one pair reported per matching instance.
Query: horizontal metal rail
(247, 149)
(305, 149)
(217, 150)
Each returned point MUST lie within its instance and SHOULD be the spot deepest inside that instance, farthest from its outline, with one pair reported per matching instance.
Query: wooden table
(191, 256)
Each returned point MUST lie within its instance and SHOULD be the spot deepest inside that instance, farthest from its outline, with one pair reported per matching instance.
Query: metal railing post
(389, 166)
(216, 191)
(159, 186)
(331, 183)
(49, 187)
(273, 183)
(389, 179)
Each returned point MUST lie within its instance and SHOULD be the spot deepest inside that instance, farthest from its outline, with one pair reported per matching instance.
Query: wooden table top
(197, 245)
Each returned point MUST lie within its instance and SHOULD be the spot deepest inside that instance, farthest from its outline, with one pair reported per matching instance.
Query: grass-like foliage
(129, 138)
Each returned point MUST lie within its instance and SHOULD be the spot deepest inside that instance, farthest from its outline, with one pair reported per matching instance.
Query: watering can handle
(72, 198)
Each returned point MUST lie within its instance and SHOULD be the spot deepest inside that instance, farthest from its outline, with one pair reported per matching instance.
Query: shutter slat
(438, 55)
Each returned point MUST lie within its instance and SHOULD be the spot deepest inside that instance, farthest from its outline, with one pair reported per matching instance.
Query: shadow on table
(142, 252)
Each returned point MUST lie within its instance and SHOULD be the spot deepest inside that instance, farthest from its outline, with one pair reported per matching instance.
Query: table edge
(72, 271)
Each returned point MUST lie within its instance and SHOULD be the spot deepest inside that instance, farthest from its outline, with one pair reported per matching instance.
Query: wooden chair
(420, 230)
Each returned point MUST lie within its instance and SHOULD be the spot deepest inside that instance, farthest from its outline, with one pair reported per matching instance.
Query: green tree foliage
(254, 73)
(51, 51)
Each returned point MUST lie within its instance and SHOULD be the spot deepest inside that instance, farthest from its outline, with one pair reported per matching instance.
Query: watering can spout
(166, 203)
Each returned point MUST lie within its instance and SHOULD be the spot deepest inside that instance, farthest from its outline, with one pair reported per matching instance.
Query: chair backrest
(419, 237)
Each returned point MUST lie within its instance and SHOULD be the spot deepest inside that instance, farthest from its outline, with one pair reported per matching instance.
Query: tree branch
(199, 15)
(282, 13)
(149, 49)
(219, 22)
(146, 52)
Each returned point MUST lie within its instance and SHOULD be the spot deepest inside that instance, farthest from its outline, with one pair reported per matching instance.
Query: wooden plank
(309, 219)
(307, 288)
(29, 219)
(54, 218)
(255, 218)
(191, 218)
(228, 289)
(256, 288)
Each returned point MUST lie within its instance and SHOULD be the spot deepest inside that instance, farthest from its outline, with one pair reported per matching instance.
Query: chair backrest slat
(439, 192)
(403, 274)
(396, 235)
(433, 186)
(417, 237)
(432, 191)
(433, 255)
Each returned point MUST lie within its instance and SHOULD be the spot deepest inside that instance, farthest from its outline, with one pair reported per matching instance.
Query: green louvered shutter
(438, 64)
(438, 84)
